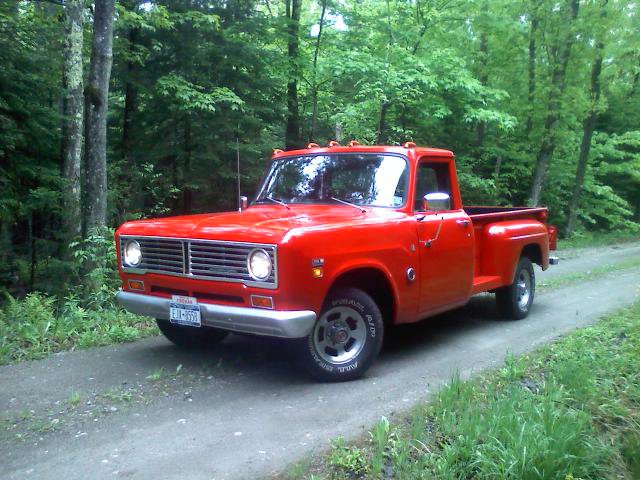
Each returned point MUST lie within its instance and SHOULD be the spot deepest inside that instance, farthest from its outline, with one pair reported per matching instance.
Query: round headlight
(259, 264)
(132, 253)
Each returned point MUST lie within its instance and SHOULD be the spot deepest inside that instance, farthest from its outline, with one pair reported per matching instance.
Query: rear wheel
(346, 338)
(191, 337)
(514, 301)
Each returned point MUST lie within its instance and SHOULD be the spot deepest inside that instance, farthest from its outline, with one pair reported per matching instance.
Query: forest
(116, 110)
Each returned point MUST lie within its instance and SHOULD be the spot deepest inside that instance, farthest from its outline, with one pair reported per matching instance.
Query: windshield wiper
(279, 202)
(362, 210)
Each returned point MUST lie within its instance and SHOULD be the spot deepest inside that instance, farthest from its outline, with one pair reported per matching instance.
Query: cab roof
(353, 147)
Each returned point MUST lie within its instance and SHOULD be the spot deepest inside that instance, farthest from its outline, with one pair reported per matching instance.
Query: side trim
(272, 323)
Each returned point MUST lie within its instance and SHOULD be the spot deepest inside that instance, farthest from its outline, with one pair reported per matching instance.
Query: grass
(569, 410)
(156, 375)
(74, 399)
(587, 239)
(563, 280)
(37, 326)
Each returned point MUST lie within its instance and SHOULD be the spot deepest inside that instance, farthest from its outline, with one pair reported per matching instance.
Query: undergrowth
(38, 325)
(569, 410)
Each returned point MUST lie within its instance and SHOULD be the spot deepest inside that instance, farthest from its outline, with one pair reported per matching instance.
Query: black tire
(347, 313)
(514, 301)
(191, 337)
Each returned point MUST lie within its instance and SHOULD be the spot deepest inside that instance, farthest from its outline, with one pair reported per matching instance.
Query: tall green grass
(39, 325)
(590, 239)
(570, 410)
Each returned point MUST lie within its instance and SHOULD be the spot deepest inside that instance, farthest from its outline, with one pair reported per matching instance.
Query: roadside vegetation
(578, 276)
(40, 324)
(596, 239)
(569, 410)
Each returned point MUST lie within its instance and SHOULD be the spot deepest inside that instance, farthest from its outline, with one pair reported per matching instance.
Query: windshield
(359, 178)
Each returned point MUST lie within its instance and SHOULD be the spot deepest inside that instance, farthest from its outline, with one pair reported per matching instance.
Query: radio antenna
(238, 171)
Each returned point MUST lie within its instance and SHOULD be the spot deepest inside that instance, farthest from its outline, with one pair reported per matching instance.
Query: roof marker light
(277, 151)
(333, 143)
(354, 143)
(409, 145)
(313, 145)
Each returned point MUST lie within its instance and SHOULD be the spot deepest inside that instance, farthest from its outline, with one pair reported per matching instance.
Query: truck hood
(259, 224)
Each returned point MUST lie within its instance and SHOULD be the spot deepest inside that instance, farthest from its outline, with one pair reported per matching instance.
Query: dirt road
(148, 410)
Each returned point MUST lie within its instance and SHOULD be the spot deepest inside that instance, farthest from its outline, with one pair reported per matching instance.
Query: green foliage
(96, 255)
(189, 97)
(191, 77)
(38, 325)
(346, 459)
(569, 410)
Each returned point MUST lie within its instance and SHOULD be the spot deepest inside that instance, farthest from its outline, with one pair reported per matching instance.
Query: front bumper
(272, 323)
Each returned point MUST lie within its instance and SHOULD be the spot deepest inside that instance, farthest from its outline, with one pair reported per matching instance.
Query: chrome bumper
(273, 323)
(554, 260)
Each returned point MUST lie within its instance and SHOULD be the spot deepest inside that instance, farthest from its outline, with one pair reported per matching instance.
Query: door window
(431, 178)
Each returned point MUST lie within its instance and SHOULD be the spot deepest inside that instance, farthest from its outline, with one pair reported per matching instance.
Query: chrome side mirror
(244, 203)
(436, 202)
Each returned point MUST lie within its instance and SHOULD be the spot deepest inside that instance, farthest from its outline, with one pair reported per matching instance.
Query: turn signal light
(317, 272)
(136, 285)
(261, 301)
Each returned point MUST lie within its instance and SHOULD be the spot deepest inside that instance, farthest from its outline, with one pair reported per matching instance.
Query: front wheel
(346, 338)
(191, 337)
(514, 301)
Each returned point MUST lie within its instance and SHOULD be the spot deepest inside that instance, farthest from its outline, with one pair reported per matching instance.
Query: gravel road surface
(243, 410)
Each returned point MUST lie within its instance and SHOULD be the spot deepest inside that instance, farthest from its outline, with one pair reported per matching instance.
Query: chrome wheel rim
(523, 287)
(339, 335)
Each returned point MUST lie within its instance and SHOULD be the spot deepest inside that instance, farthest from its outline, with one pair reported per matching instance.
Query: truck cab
(339, 244)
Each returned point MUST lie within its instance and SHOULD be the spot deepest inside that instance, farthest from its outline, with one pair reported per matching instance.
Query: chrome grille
(205, 259)
(161, 255)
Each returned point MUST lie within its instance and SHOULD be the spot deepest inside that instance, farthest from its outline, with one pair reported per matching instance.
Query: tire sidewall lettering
(371, 332)
(321, 363)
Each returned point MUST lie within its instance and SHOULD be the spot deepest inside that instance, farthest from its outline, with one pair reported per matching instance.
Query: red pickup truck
(340, 243)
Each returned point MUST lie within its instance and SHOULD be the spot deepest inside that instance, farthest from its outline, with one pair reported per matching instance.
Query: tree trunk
(338, 132)
(484, 79)
(588, 127)
(292, 134)
(314, 83)
(186, 174)
(532, 71)
(96, 105)
(72, 109)
(130, 101)
(548, 143)
(133, 200)
(496, 170)
(381, 134)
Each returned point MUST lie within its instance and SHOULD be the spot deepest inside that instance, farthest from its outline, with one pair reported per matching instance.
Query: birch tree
(73, 109)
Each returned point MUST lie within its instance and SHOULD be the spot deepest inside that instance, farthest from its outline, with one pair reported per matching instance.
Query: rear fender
(504, 242)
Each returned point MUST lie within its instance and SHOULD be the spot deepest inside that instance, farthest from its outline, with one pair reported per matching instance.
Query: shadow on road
(274, 361)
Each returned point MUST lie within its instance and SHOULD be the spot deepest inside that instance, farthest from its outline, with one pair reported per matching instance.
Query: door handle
(463, 222)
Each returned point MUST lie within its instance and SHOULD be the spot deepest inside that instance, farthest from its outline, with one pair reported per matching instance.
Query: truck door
(445, 236)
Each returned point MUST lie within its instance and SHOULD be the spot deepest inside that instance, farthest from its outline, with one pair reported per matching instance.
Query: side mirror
(244, 203)
(435, 202)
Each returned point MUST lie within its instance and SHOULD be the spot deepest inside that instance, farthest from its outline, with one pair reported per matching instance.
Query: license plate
(184, 311)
